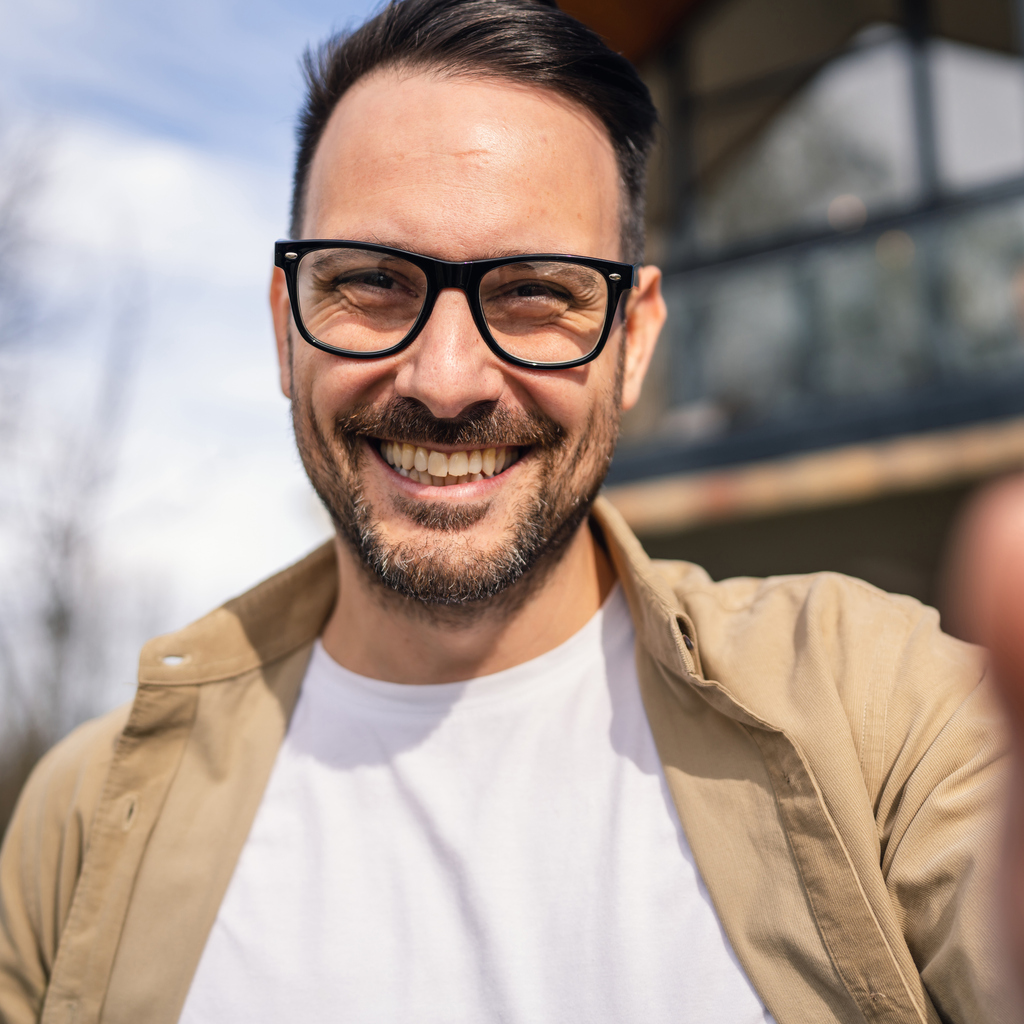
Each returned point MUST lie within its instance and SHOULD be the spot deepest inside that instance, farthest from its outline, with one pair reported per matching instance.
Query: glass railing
(913, 322)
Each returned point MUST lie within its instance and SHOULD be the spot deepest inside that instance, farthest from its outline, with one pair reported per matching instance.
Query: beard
(441, 574)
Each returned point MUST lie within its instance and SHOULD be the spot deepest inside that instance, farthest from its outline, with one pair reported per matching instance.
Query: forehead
(462, 168)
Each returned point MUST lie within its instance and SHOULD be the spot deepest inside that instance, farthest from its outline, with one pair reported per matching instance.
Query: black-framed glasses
(356, 299)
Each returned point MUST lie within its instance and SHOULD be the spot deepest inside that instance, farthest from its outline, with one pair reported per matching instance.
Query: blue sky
(167, 141)
(221, 75)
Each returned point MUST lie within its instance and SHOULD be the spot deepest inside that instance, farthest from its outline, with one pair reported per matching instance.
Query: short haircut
(530, 42)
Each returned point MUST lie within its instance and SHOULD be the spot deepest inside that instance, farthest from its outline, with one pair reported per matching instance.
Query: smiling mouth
(443, 469)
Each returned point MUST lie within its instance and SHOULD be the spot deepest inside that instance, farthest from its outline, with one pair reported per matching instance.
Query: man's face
(459, 169)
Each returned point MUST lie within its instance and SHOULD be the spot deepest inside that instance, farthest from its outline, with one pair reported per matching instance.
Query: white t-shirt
(503, 849)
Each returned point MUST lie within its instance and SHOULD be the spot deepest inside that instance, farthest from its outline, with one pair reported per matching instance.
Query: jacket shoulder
(774, 595)
(797, 649)
(836, 619)
(42, 856)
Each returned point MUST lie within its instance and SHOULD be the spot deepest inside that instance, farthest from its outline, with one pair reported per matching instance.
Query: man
(481, 759)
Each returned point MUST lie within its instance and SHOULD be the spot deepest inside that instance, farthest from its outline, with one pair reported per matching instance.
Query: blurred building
(838, 205)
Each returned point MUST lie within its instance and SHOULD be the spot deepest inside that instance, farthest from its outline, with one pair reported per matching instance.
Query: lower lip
(470, 489)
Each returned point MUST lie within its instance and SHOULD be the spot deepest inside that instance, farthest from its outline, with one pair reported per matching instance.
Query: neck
(379, 634)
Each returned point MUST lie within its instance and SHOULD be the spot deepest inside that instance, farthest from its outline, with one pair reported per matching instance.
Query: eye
(538, 289)
(368, 278)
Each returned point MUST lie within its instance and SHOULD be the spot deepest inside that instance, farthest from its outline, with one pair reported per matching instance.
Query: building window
(839, 209)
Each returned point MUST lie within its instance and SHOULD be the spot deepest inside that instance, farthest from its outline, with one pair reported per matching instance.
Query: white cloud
(180, 210)
(210, 495)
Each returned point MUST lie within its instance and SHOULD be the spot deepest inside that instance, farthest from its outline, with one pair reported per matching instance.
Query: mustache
(484, 425)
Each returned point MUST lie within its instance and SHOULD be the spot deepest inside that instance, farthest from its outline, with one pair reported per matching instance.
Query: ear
(645, 316)
(280, 310)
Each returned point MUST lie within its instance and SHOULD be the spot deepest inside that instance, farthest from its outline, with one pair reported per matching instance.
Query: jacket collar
(263, 625)
(662, 626)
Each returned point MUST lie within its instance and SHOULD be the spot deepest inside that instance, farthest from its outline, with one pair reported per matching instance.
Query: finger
(986, 586)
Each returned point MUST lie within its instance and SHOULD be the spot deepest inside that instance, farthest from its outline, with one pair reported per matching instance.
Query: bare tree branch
(58, 612)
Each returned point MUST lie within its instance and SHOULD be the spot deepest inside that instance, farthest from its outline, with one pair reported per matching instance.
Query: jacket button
(688, 642)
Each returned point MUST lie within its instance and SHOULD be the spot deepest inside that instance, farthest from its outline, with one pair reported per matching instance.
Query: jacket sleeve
(939, 810)
(41, 859)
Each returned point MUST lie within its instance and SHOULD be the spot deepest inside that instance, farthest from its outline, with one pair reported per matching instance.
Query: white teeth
(441, 470)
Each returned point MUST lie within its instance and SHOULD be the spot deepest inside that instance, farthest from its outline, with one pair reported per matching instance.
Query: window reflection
(979, 107)
(838, 150)
(841, 220)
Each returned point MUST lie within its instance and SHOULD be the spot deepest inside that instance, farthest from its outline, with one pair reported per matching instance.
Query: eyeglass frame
(465, 276)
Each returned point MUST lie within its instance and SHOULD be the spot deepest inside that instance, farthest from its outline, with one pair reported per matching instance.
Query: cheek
(334, 383)
(567, 396)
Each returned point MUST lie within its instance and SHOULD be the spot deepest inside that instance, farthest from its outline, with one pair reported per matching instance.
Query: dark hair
(526, 41)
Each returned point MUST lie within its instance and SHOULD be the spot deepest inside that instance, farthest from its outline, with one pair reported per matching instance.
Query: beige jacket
(833, 758)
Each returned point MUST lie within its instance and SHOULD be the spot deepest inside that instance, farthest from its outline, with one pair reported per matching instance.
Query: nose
(449, 367)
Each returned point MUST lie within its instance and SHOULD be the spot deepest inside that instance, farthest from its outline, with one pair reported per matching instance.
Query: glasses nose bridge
(446, 274)
(453, 275)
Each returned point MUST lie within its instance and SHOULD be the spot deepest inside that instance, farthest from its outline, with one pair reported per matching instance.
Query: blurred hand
(986, 599)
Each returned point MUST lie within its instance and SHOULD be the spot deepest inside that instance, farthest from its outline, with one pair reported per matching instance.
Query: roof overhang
(634, 28)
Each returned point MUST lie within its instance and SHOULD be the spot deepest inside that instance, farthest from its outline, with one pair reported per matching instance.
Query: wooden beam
(838, 476)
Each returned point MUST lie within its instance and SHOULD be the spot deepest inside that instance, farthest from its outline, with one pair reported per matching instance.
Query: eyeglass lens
(362, 301)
